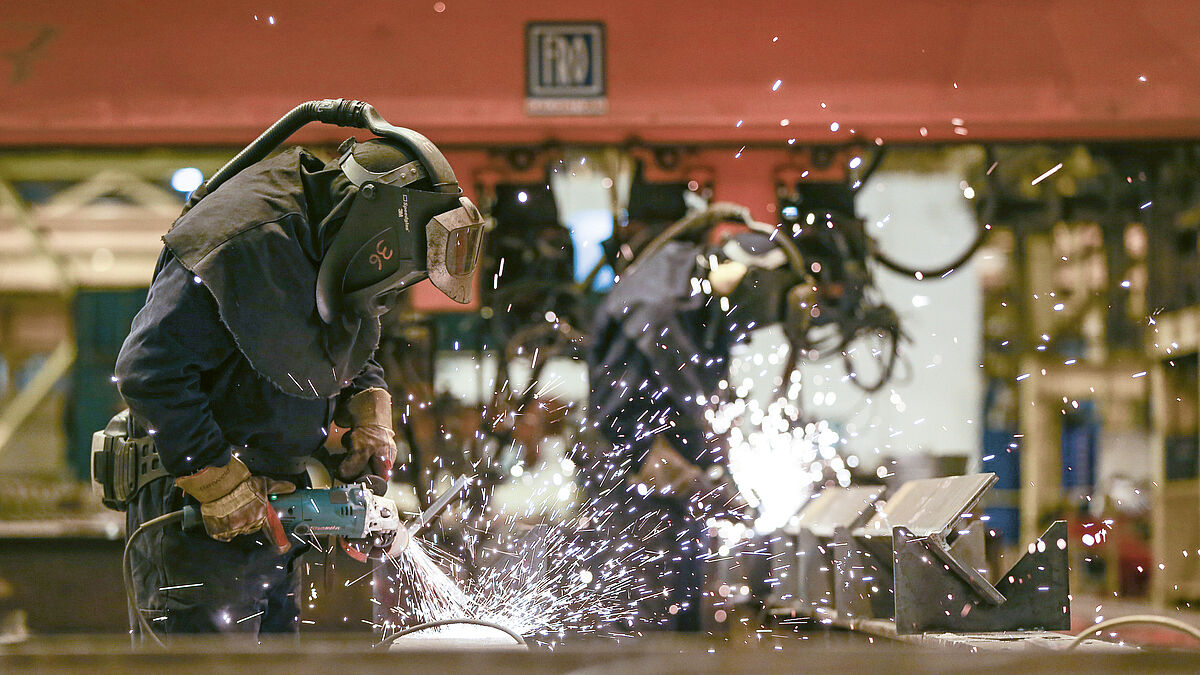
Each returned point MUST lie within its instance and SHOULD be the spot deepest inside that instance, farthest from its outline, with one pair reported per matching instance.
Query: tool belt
(123, 460)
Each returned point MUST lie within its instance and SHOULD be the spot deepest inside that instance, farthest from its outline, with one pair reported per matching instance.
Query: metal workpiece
(929, 505)
(862, 577)
(918, 565)
(933, 507)
(936, 592)
(805, 550)
(838, 507)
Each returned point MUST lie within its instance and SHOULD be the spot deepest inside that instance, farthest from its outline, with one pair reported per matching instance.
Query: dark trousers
(683, 539)
(187, 582)
(668, 593)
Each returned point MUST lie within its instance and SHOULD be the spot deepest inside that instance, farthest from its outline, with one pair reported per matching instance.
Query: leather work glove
(370, 441)
(670, 475)
(232, 502)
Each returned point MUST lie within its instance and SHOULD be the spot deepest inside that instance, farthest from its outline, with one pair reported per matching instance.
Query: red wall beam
(135, 72)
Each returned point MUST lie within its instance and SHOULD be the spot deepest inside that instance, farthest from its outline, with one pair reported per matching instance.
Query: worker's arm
(176, 338)
(676, 366)
(365, 408)
(370, 377)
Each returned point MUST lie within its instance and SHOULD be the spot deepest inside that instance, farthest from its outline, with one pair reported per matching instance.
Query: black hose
(341, 112)
(981, 233)
(447, 622)
(876, 161)
(892, 355)
(127, 570)
(926, 274)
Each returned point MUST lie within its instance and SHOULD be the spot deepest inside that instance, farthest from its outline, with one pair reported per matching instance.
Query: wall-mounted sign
(564, 69)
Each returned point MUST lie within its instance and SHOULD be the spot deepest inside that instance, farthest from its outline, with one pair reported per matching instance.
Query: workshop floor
(667, 654)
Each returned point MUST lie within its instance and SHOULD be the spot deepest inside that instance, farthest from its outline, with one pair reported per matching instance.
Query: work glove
(370, 443)
(232, 502)
(668, 474)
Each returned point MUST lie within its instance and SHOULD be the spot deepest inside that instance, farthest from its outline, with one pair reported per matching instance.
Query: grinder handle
(273, 528)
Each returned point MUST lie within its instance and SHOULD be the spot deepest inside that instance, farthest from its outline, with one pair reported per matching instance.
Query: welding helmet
(769, 285)
(396, 234)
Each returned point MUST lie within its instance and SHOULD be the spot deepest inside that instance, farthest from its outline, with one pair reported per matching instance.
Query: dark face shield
(392, 238)
(759, 297)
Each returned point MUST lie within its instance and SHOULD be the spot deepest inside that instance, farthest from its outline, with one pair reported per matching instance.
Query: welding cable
(127, 569)
(448, 622)
(1163, 621)
(926, 275)
(872, 167)
(981, 233)
(891, 355)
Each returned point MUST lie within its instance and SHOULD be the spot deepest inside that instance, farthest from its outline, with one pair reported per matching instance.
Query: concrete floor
(667, 654)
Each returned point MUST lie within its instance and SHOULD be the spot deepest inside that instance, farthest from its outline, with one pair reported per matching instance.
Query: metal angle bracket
(935, 591)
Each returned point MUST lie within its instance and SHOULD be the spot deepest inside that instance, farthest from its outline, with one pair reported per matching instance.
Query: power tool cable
(447, 622)
(127, 570)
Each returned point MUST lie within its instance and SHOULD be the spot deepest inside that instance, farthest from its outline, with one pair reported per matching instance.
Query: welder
(658, 351)
(257, 337)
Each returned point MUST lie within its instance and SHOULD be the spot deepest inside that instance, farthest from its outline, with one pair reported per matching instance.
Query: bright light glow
(774, 458)
(856, 162)
(187, 179)
(522, 196)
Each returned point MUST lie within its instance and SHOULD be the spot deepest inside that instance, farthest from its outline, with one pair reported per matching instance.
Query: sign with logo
(564, 69)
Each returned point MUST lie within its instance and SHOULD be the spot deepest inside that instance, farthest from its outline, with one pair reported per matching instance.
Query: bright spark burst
(775, 458)
(547, 578)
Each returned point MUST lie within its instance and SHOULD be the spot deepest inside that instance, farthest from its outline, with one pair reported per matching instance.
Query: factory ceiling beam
(41, 385)
(76, 164)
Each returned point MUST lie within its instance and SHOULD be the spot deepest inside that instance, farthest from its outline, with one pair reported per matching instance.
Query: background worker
(660, 345)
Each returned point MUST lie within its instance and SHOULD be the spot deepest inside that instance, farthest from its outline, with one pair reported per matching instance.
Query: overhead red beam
(134, 72)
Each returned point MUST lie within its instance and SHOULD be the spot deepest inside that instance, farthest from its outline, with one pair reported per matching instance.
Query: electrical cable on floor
(447, 622)
(127, 570)
(1166, 622)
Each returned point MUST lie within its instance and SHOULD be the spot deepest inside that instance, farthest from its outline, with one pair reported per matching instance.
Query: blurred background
(1056, 143)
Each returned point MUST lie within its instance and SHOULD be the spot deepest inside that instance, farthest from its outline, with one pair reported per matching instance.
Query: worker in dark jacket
(258, 332)
(659, 349)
